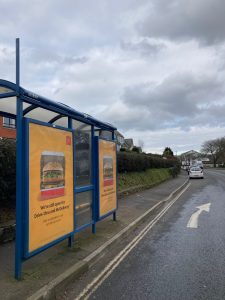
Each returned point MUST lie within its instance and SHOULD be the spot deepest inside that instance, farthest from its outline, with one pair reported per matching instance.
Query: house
(128, 144)
(191, 157)
(119, 140)
(7, 127)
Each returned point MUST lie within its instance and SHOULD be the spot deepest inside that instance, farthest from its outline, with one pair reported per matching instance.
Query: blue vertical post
(71, 238)
(114, 214)
(93, 163)
(19, 170)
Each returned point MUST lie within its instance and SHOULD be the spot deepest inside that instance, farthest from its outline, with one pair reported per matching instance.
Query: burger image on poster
(52, 174)
(108, 170)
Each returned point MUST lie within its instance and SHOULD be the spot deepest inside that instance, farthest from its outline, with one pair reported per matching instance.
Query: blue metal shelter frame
(60, 110)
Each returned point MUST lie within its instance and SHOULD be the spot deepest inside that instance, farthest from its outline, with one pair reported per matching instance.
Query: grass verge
(135, 181)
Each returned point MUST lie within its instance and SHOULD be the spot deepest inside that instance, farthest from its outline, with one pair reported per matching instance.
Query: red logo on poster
(68, 140)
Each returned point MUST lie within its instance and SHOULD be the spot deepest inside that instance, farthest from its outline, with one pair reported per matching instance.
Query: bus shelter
(65, 169)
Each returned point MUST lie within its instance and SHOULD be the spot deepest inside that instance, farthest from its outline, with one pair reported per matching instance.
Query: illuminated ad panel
(107, 177)
(51, 206)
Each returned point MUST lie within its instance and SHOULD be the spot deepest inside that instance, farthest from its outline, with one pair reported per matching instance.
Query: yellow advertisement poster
(107, 177)
(51, 205)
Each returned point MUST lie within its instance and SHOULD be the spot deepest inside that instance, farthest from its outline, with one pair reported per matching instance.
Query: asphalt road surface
(174, 261)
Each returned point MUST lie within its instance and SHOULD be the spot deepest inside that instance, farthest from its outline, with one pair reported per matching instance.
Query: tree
(215, 148)
(7, 172)
(167, 152)
(136, 149)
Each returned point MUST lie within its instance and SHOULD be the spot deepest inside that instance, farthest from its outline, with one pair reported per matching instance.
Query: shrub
(174, 171)
(135, 162)
(136, 149)
(7, 172)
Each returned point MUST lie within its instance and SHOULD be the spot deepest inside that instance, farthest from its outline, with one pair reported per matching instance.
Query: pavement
(51, 270)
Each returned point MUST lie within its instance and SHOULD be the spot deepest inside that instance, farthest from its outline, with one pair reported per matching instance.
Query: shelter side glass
(41, 114)
(83, 151)
(104, 134)
(83, 208)
(8, 105)
(63, 122)
(96, 131)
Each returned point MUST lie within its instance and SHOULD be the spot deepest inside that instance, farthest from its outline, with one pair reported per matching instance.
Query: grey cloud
(180, 20)
(72, 28)
(144, 47)
(7, 55)
(181, 100)
(75, 60)
(178, 94)
(178, 140)
(213, 115)
(46, 56)
(141, 143)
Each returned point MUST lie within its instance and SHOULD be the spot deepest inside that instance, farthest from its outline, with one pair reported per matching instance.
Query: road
(173, 261)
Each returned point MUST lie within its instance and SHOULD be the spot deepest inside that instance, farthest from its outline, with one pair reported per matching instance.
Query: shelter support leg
(94, 228)
(18, 268)
(114, 216)
(19, 171)
(70, 241)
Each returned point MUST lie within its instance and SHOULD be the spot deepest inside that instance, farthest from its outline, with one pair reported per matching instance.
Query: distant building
(191, 154)
(7, 127)
(128, 144)
(119, 140)
(191, 157)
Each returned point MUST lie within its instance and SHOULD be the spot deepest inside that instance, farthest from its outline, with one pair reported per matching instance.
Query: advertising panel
(107, 177)
(51, 206)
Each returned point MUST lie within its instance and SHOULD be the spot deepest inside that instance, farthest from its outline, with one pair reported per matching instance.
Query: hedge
(7, 172)
(127, 162)
(134, 162)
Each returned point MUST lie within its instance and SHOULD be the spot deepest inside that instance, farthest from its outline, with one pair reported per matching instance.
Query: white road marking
(193, 222)
(97, 281)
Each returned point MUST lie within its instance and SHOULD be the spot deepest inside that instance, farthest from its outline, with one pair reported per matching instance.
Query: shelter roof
(40, 108)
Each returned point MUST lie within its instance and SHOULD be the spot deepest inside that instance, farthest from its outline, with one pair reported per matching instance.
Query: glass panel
(8, 105)
(25, 105)
(83, 208)
(83, 161)
(4, 90)
(97, 130)
(105, 134)
(62, 122)
(41, 114)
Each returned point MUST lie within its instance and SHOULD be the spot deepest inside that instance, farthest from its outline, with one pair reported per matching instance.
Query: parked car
(196, 172)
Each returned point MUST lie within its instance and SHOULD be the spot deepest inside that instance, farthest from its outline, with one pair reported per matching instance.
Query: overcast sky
(153, 68)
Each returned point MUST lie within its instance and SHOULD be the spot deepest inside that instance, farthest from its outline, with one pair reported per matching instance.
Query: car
(196, 172)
